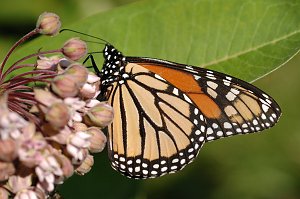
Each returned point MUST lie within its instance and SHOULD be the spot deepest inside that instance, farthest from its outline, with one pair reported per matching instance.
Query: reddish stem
(29, 80)
(17, 67)
(28, 57)
(42, 72)
(22, 87)
(22, 95)
(21, 111)
(24, 38)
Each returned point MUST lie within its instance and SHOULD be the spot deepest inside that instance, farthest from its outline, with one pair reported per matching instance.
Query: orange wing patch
(187, 84)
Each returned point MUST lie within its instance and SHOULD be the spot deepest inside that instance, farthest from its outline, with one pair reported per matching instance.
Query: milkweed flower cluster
(50, 121)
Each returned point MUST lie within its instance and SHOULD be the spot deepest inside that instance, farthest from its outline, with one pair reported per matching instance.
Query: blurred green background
(264, 165)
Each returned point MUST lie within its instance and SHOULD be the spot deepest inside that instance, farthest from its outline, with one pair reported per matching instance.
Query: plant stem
(24, 38)
(42, 72)
(14, 66)
(18, 67)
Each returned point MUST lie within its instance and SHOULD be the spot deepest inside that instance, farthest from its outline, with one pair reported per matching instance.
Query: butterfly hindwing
(155, 129)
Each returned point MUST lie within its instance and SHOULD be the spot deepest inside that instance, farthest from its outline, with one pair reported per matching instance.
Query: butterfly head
(114, 63)
(111, 54)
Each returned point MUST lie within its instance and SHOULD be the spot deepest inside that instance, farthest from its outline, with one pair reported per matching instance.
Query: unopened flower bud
(64, 63)
(80, 139)
(46, 63)
(11, 123)
(8, 150)
(31, 150)
(46, 99)
(85, 166)
(49, 173)
(87, 91)
(78, 126)
(100, 115)
(48, 23)
(64, 86)
(58, 115)
(98, 140)
(39, 192)
(6, 169)
(77, 146)
(27, 194)
(78, 72)
(74, 49)
(3, 193)
(93, 78)
(60, 136)
(28, 131)
(65, 164)
(93, 102)
(90, 89)
(17, 183)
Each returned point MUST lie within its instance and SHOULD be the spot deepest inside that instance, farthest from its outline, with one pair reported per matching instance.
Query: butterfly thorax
(113, 67)
(112, 70)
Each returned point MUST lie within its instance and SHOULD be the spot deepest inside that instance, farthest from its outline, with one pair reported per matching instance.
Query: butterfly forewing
(231, 106)
(244, 108)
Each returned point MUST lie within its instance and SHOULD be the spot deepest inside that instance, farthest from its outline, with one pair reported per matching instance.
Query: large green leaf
(247, 39)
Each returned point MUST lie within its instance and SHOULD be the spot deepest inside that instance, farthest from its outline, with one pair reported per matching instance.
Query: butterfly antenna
(66, 29)
(95, 42)
(94, 52)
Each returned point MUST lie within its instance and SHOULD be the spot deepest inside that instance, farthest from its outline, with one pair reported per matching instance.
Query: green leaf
(247, 39)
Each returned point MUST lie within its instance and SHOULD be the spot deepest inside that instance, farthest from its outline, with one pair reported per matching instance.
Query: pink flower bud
(100, 115)
(64, 86)
(49, 173)
(28, 131)
(46, 99)
(31, 150)
(3, 193)
(78, 72)
(93, 102)
(27, 194)
(48, 24)
(66, 165)
(85, 166)
(88, 91)
(6, 169)
(91, 87)
(76, 106)
(78, 126)
(46, 63)
(98, 140)
(59, 136)
(11, 124)
(78, 154)
(64, 63)
(93, 78)
(17, 183)
(58, 115)
(80, 139)
(8, 150)
(74, 49)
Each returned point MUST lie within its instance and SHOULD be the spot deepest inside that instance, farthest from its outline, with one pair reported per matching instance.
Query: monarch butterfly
(164, 111)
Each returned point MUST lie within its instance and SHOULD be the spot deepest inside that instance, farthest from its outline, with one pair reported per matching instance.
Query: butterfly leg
(94, 65)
